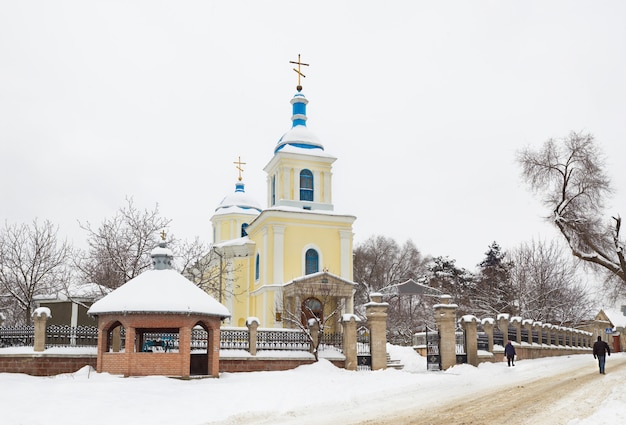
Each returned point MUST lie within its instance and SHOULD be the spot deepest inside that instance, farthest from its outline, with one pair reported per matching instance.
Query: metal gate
(461, 353)
(433, 359)
(363, 353)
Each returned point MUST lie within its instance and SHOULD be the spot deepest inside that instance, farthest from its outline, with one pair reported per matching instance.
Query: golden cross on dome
(298, 71)
(238, 164)
(163, 235)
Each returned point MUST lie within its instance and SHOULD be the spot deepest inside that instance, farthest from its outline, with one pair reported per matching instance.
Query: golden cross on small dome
(298, 71)
(163, 235)
(238, 164)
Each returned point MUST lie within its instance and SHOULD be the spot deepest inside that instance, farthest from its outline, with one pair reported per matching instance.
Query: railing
(69, 336)
(230, 338)
(283, 340)
(234, 339)
(17, 336)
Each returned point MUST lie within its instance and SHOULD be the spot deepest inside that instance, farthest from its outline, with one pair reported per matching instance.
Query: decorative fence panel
(283, 340)
(17, 336)
(69, 336)
(230, 339)
(233, 339)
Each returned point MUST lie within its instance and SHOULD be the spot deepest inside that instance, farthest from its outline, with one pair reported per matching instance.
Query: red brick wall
(50, 365)
(256, 365)
(44, 365)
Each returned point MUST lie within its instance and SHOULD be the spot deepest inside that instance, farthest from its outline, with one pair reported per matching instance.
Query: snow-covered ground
(307, 394)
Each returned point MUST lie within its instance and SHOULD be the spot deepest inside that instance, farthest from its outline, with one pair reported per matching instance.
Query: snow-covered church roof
(239, 202)
(161, 290)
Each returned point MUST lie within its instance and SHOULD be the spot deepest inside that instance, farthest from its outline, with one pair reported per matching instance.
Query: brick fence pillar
(445, 314)
(488, 323)
(468, 322)
(253, 324)
(314, 329)
(503, 324)
(516, 321)
(547, 328)
(349, 323)
(376, 313)
(537, 326)
(528, 325)
(40, 316)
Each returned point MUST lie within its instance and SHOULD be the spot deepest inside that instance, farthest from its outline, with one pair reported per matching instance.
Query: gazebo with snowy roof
(145, 326)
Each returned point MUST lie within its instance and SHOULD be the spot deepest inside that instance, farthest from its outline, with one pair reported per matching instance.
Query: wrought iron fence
(283, 340)
(331, 341)
(71, 336)
(233, 339)
(17, 336)
(230, 338)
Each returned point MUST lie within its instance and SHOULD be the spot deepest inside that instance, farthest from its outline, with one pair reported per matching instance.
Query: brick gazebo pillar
(349, 323)
(40, 316)
(445, 314)
(376, 313)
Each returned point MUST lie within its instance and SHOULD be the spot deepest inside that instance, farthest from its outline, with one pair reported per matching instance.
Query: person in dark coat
(509, 352)
(600, 350)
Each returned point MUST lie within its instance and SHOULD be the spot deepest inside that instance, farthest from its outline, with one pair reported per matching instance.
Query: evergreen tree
(494, 291)
(444, 275)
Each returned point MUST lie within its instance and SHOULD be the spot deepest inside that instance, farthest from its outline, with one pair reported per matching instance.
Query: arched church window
(312, 307)
(311, 261)
(257, 270)
(306, 185)
(244, 229)
(273, 202)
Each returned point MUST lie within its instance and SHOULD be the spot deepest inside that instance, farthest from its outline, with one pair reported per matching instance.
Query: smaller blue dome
(239, 200)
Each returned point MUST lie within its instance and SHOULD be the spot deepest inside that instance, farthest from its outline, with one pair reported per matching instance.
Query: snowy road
(540, 392)
(549, 399)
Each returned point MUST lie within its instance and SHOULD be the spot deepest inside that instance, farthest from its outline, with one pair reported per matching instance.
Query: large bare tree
(547, 285)
(569, 176)
(380, 261)
(32, 262)
(119, 249)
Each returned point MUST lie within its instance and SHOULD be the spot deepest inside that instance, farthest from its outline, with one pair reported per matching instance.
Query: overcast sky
(424, 104)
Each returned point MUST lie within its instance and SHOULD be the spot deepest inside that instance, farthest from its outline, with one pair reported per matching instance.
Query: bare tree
(210, 267)
(119, 249)
(380, 262)
(547, 286)
(569, 175)
(322, 305)
(32, 262)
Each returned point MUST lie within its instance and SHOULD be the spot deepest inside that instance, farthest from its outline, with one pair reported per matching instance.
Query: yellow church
(292, 260)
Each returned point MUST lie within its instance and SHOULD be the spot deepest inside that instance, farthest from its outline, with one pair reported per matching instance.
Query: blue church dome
(299, 136)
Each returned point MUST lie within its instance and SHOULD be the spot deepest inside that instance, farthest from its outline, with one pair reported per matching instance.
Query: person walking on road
(509, 352)
(600, 350)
